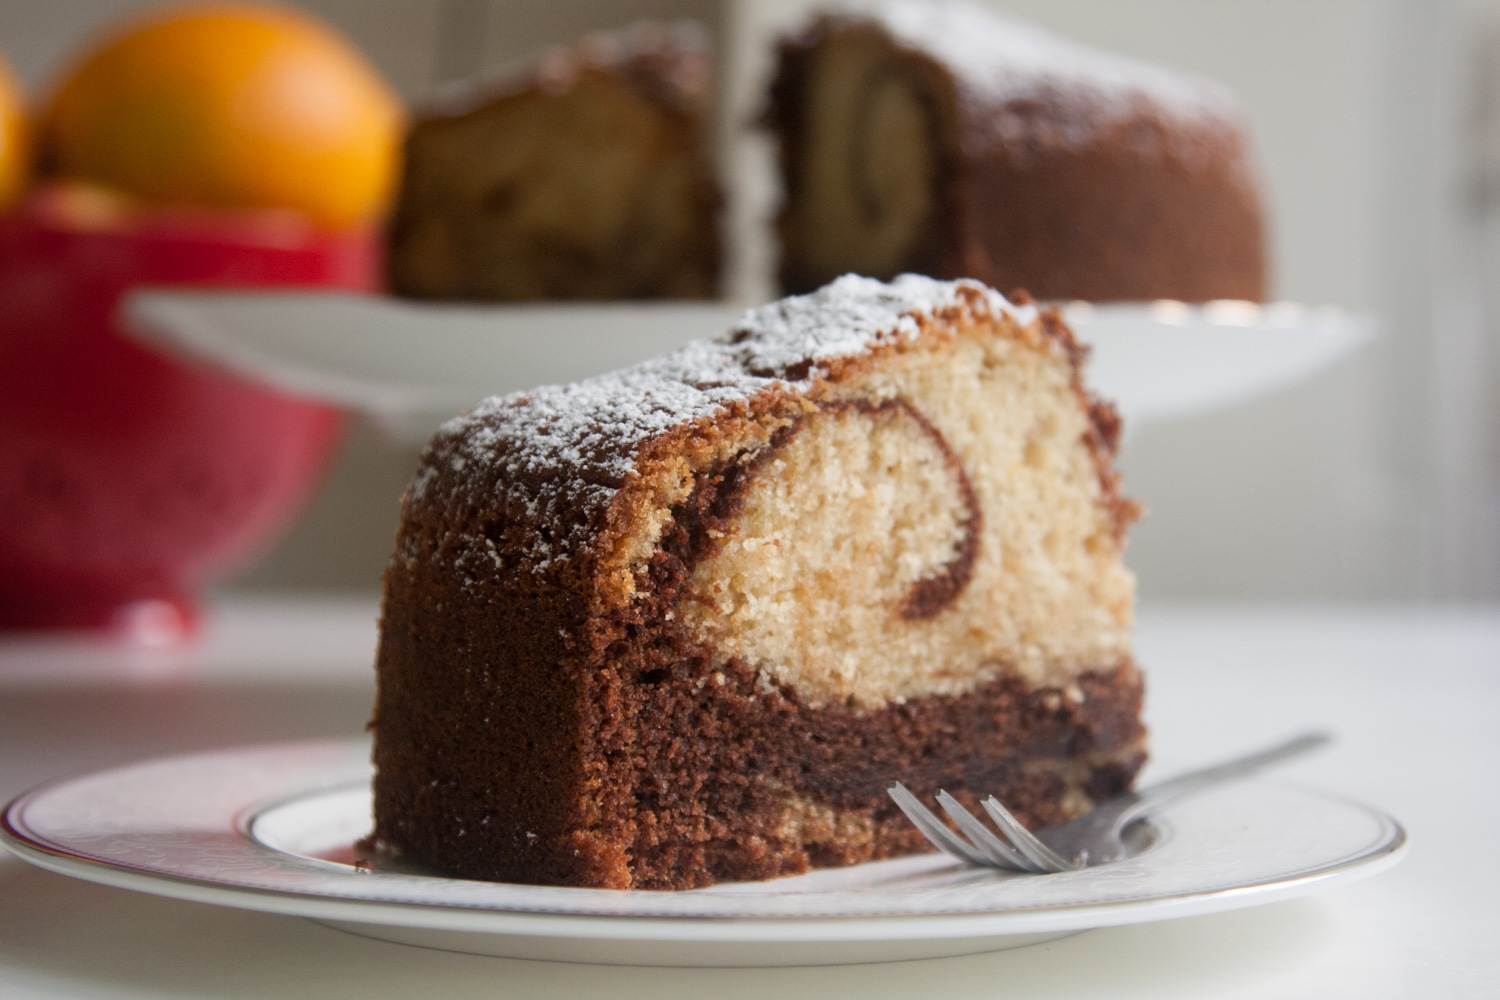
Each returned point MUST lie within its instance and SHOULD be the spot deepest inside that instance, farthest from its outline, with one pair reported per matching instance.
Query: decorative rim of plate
(1189, 869)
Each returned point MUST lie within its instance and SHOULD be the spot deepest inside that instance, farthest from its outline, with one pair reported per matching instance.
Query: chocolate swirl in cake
(934, 592)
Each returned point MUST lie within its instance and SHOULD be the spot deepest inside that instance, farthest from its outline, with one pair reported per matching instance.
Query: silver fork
(1095, 838)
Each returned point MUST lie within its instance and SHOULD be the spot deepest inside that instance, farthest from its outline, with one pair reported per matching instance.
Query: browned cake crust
(587, 177)
(543, 718)
(972, 147)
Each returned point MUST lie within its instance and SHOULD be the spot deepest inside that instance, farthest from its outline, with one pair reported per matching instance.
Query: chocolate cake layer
(695, 774)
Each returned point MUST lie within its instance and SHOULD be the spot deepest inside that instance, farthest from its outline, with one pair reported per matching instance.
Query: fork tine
(1044, 857)
(999, 851)
(932, 828)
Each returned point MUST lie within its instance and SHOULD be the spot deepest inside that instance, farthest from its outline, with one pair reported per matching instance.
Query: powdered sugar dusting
(845, 317)
(1001, 62)
(677, 50)
(560, 453)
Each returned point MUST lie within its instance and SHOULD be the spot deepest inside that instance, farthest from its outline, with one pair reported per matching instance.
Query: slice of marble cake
(683, 623)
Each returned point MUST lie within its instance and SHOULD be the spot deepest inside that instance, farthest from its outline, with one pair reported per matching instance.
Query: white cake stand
(411, 365)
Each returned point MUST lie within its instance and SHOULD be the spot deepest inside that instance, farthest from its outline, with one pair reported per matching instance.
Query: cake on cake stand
(411, 365)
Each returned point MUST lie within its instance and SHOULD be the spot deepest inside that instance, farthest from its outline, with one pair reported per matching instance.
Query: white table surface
(1413, 694)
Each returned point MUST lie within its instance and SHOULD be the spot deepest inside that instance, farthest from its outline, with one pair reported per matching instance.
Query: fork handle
(1196, 781)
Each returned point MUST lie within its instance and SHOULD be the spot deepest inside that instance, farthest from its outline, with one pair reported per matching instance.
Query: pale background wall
(1379, 133)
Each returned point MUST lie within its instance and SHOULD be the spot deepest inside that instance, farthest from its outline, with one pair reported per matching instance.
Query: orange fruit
(234, 105)
(15, 144)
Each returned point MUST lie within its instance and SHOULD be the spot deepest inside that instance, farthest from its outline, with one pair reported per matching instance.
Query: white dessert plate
(412, 365)
(271, 828)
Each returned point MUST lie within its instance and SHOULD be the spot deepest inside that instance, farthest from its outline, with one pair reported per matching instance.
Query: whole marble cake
(936, 137)
(684, 623)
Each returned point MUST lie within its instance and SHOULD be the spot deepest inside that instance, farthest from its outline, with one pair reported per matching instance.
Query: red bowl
(128, 479)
